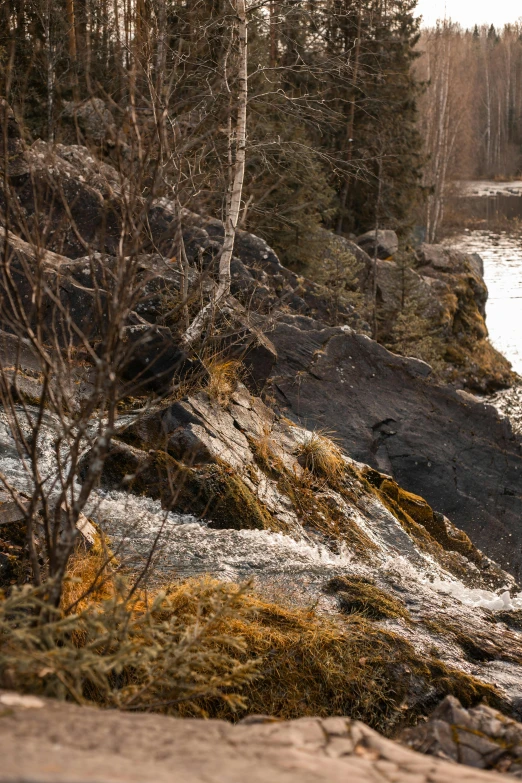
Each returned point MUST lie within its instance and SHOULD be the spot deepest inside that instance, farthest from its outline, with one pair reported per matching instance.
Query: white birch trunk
(237, 176)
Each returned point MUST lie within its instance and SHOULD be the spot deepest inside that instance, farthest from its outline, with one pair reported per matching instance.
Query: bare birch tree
(237, 129)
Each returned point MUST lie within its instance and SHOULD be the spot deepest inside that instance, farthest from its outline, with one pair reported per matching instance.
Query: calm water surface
(502, 256)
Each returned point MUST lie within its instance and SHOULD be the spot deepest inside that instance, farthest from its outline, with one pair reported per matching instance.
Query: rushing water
(185, 546)
(502, 256)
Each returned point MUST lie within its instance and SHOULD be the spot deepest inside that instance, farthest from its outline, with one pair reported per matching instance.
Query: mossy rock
(213, 492)
(217, 493)
(455, 355)
(413, 505)
(467, 689)
(426, 526)
(357, 594)
(511, 619)
(319, 510)
(478, 646)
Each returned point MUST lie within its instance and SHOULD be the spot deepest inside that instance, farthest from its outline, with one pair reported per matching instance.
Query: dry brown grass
(317, 665)
(204, 647)
(319, 454)
(90, 577)
(224, 376)
(265, 453)
(310, 491)
(357, 594)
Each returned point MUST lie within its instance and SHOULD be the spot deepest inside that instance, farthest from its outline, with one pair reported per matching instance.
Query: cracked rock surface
(50, 742)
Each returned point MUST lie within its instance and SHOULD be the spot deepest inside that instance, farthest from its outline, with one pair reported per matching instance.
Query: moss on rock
(478, 646)
(420, 521)
(215, 492)
(322, 508)
(360, 595)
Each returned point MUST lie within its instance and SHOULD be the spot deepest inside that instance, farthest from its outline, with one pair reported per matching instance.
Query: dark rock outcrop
(444, 445)
(479, 737)
(52, 197)
(153, 360)
(445, 289)
(259, 280)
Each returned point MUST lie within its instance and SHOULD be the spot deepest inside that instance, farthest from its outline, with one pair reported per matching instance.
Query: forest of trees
(354, 116)
(471, 108)
(331, 138)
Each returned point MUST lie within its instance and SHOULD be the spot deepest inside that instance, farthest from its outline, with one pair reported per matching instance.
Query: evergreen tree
(380, 107)
(331, 99)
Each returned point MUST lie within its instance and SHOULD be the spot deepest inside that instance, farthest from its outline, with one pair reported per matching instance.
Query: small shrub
(412, 334)
(136, 652)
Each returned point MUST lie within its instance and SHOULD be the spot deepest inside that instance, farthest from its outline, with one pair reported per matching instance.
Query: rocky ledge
(444, 444)
(388, 411)
(50, 742)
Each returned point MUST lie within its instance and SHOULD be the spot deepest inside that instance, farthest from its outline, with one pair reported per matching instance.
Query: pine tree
(380, 107)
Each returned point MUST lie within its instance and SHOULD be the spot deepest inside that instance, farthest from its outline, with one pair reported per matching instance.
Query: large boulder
(153, 359)
(94, 120)
(383, 241)
(445, 292)
(198, 456)
(259, 280)
(448, 447)
(437, 262)
(479, 737)
(53, 198)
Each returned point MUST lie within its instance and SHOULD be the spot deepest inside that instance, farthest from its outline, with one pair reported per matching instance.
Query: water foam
(475, 598)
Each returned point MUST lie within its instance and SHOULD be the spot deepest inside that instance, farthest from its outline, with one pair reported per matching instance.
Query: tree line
(331, 136)
(470, 109)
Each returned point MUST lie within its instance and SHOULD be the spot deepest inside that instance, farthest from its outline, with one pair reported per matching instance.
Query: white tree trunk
(237, 175)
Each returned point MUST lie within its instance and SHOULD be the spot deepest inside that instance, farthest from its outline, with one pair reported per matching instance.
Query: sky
(470, 12)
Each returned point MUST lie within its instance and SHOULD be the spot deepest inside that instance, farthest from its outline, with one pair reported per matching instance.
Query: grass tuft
(320, 455)
(357, 594)
(223, 380)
